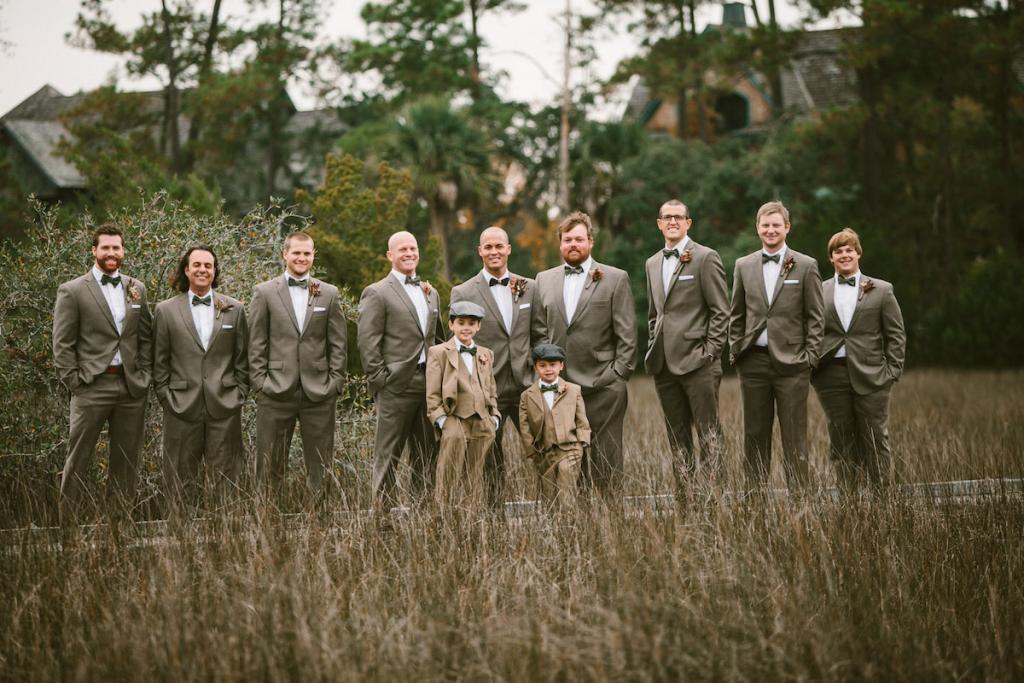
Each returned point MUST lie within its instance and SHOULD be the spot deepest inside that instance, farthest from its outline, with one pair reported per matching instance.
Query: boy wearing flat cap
(462, 402)
(553, 426)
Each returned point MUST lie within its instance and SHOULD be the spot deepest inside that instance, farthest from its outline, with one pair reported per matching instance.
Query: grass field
(885, 588)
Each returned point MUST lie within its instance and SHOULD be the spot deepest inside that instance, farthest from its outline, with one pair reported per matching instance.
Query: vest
(469, 398)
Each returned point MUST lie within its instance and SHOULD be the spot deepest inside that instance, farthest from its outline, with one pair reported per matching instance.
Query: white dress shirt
(419, 301)
(770, 270)
(668, 265)
(202, 316)
(574, 288)
(502, 297)
(114, 294)
(468, 359)
(845, 299)
(549, 396)
(300, 298)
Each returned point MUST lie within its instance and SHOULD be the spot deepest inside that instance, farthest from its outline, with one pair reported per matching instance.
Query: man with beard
(102, 349)
(510, 329)
(588, 311)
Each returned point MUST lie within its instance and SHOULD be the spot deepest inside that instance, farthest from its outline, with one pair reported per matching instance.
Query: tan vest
(470, 399)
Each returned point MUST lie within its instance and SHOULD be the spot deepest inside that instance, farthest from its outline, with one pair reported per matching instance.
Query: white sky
(37, 52)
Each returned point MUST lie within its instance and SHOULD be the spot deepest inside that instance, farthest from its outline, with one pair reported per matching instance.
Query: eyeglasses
(671, 217)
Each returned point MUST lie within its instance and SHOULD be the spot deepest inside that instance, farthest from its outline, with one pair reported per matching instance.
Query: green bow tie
(852, 281)
(765, 258)
(202, 300)
(108, 280)
(292, 282)
(412, 280)
(548, 387)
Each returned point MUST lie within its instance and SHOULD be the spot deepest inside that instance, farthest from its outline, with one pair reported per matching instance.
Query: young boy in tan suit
(462, 401)
(554, 427)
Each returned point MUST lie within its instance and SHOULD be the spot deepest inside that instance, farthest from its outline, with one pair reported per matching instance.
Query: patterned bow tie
(292, 282)
(202, 300)
(573, 270)
(852, 281)
(670, 252)
(495, 281)
(765, 258)
(548, 387)
(471, 350)
(412, 280)
(107, 280)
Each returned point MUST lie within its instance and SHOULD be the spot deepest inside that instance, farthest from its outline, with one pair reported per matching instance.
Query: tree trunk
(171, 142)
(775, 77)
(205, 67)
(563, 132)
(439, 231)
(474, 76)
(698, 79)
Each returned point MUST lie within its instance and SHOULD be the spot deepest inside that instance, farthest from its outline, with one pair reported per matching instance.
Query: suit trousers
(104, 402)
(558, 471)
(858, 426)
(494, 466)
(691, 400)
(402, 420)
(187, 443)
(275, 426)
(762, 389)
(606, 412)
(463, 447)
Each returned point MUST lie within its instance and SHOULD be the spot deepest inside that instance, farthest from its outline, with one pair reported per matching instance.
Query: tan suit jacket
(795, 318)
(389, 335)
(875, 342)
(189, 380)
(280, 357)
(85, 337)
(567, 418)
(600, 342)
(689, 324)
(444, 382)
(511, 349)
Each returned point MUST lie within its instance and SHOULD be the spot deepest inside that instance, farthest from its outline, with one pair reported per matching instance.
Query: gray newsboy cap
(547, 352)
(465, 309)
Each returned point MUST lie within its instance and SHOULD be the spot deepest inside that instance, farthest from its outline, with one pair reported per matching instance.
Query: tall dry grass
(889, 587)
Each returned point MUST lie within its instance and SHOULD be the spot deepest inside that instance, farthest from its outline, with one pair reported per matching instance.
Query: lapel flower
(788, 265)
(686, 256)
(219, 305)
(314, 291)
(518, 285)
(134, 295)
(596, 274)
(425, 286)
(866, 286)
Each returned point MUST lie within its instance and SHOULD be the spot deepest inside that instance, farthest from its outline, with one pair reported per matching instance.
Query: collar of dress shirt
(681, 245)
(98, 274)
(487, 276)
(297, 279)
(193, 295)
(586, 264)
(781, 252)
(856, 275)
(401, 276)
(541, 382)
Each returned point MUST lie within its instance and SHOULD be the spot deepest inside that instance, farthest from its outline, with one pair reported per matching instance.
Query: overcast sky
(37, 52)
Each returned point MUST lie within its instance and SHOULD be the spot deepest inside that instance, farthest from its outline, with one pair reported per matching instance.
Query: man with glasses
(688, 320)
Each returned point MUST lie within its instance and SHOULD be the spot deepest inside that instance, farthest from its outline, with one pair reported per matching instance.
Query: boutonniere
(425, 286)
(220, 306)
(134, 295)
(314, 292)
(686, 256)
(596, 274)
(866, 286)
(788, 265)
(518, 285)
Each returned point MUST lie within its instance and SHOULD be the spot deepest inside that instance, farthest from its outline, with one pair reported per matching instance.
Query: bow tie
(765, 258)
(852, 281)
(495, 281)
(412, 280)
(108, 280)
(292, 282)
(471, 350)
(670, 252)
(548, 387)
(202, 300)
(573, 270)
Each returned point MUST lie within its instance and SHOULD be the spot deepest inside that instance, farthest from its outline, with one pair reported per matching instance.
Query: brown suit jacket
(85, 338)
(600, 343)
(443, 384)
(875, 342)
(688, 325)
(511, 349)
(795, 319)
(389, 335)
(280, 358)
(568, 417)
(190, 380)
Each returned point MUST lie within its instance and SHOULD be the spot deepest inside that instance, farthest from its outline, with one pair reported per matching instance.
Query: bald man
(399, 319)
(510, 329)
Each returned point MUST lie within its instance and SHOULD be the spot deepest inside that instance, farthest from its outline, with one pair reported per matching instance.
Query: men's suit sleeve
(259, 335)
(440, 328)
(814, 314)
(529, 450)
(716, 295)
(370, 336)
(492, 392)
(652, 310)
(240, 356)
(582, 423)
(894, 336)
(624, 326)
(161, 354)
(65, 338)
(538, 318)
(737, 313)
(435, 398)
(337, 342)
(144, 363)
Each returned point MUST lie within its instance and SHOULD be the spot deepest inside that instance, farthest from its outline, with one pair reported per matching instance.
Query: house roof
(817, 77)
(39, 140)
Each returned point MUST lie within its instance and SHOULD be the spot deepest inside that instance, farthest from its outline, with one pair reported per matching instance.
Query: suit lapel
(654, 267)
(309, 307)
(857, 303)
(490, 303)
(515, 305)
(101, 301)
(588, 292)
(286, 300)
(560, 295)
(185, 314)
(399, 291)
(217, 322)
(828, 293)
(689, 245)
(780, 280)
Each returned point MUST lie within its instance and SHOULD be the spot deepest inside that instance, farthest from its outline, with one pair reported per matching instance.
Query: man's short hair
(675, 202)
(297, 235)
(179, 280)
(845, 238)
(773, 207)
(106, 229)
(572, 220)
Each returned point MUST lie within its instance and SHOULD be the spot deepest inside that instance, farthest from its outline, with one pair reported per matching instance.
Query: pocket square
(319, 309)
(790, 282)
(136, 305)
(228, 327)
(522, 306)
(685, 277)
